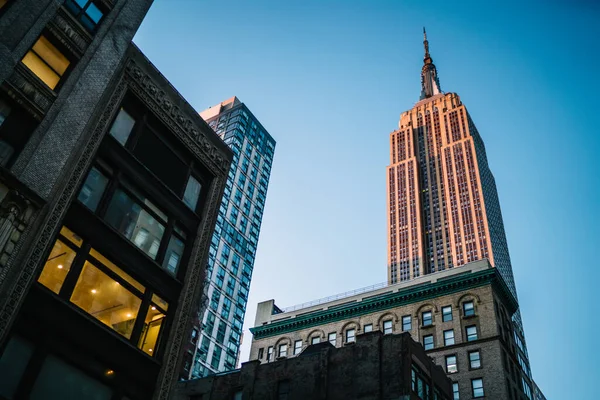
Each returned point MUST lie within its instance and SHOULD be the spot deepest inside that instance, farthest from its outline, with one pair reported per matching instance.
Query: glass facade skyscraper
(234, 242)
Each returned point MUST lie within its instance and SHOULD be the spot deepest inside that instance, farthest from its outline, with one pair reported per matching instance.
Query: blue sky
(329, 79)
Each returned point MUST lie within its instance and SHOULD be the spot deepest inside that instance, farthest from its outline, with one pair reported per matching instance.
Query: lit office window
(46, 62)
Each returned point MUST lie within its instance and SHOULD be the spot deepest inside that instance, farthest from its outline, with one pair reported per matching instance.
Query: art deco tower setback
(442, 199)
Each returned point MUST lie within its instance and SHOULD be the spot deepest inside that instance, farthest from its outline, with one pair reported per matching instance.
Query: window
(283, 350)
(350, 335)
(446, 313)
(387, 327)
(46, 62)
(86, 12)
(261, 352)
(468, 309)
(471, 333)
(238, 395)
(315, 340)
(122, 127)
(451, 366)
(406, 323)
(368, 328)
(104, 291)
(269, 353)
(477, 387)
(427, 318)
(92, 189)
(455, 391)
(428, 342)
(283, 390)
(449, 337)
(297, 347)
(192, 193)
(474, 359)
(332, 338)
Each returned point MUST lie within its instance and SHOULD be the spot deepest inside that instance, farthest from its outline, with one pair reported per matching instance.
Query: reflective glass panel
(192, 193)
(72, 236)
(173, 255)
(133, 222)
(110, 265)
(94, 13)
(59, 380)
(122, 126)
(106, 300)
(57, 266)
(92, 189)
(12, 365)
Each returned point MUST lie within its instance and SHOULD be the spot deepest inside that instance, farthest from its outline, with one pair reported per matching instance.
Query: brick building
(110, 184)
(374, 367)
(460, 316)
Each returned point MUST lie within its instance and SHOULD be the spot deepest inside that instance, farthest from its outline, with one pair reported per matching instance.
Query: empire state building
(443, 208)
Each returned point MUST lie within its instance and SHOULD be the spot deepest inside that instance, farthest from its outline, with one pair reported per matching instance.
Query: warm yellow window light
(45, 61)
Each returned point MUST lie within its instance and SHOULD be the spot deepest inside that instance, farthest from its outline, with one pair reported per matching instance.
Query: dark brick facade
(375, 367)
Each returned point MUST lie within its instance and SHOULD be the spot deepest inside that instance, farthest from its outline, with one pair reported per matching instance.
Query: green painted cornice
(452, 284)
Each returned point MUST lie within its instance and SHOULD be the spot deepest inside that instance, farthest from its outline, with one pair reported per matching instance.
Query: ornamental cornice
(387, 301)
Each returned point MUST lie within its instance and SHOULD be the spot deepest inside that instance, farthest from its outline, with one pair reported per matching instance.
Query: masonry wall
(493, 340)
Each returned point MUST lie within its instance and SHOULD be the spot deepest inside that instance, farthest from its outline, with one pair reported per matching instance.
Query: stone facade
(375, 367)
(477, 283)
(64, 132)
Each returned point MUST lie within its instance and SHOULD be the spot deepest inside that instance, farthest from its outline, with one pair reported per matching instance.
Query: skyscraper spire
(430, 85)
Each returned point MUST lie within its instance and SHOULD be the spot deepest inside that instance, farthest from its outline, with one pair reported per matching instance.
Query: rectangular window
(455, 391)
(449, 337)
(368, 328)
(428, 342)
(477, 386)
(173, 254)
(136, 222)
(122, 127)
(283, 350)
(350, 335)
(471, 333)
(474, 359)
(104, 291)
(406, 323)
(261, 353)
(192, 193)
(297, 347)
(46, 62)
(446, 313)
(92, 189)
(427, 318)
(468, 309)
(269, 353)
(332, 338)
(315, 340)
(86, 12)
(451, 366)
(387, 327)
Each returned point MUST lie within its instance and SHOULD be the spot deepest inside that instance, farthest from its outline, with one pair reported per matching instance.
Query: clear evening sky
(329, 79)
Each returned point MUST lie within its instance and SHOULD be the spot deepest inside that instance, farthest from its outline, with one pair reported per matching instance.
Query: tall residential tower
(233, 247)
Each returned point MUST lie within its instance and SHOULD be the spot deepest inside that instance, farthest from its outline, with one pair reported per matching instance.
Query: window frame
(62, 49)
(82, 11)
(478, 360)
(455, 365)
(389, 329)
(432, 342)
(347, 336)
(471, 310)
(446, 339)
(467, 333)
(404, 323)
(430, 318)
(473, 388)
(445, 314)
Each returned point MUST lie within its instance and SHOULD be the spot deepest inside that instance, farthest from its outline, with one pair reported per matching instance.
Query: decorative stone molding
(16, 212)
(159, 101)
(26, 89)
(69, 32)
